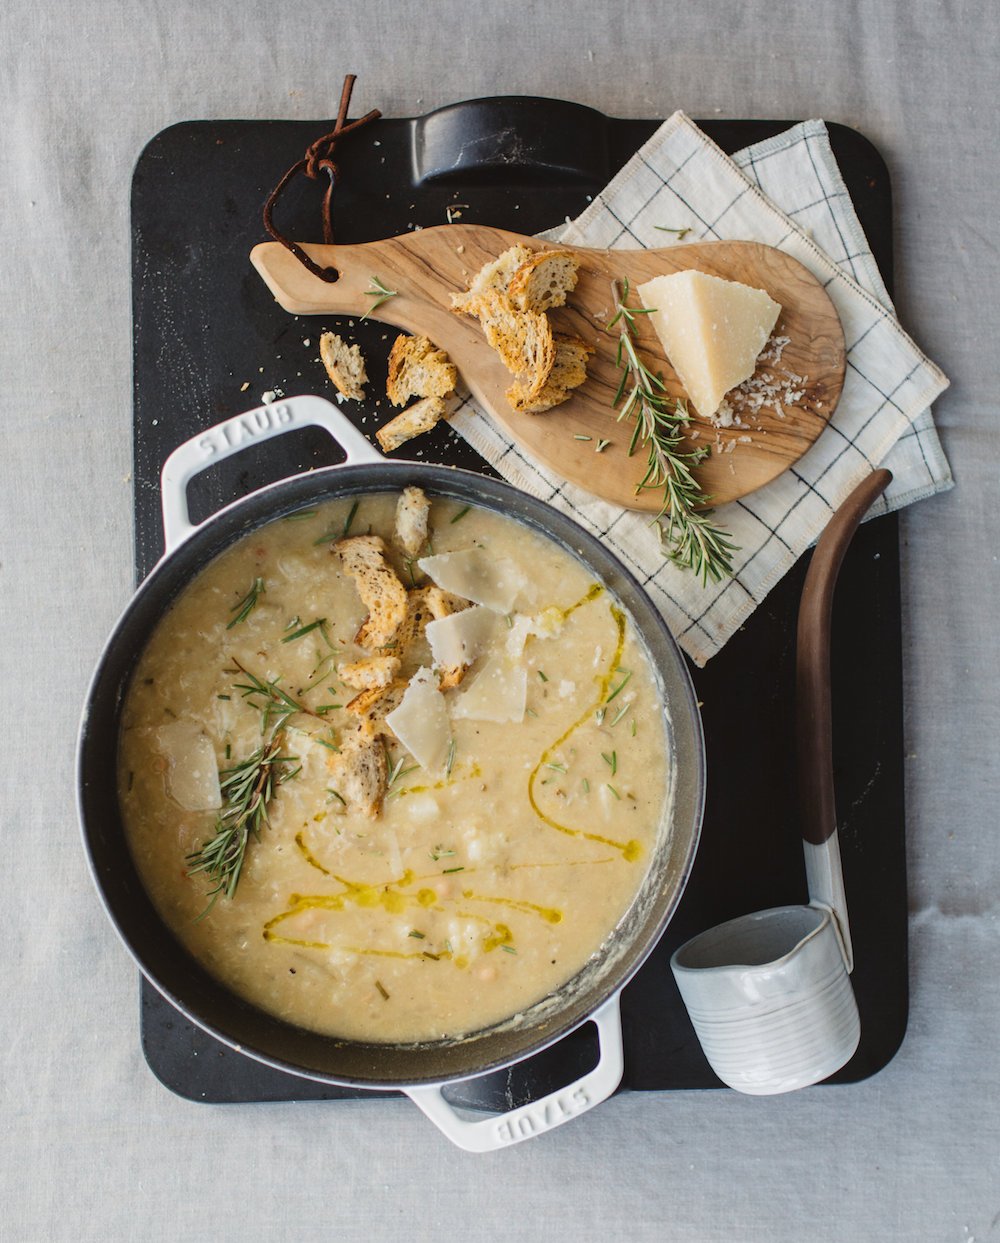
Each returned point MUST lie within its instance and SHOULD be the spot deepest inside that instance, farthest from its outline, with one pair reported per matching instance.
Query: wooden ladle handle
(813, 713)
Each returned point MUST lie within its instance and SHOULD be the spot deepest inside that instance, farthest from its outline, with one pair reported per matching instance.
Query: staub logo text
(534, 1119)
(246, 428)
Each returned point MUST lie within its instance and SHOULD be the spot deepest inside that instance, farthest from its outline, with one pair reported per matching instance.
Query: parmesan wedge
(711, 329)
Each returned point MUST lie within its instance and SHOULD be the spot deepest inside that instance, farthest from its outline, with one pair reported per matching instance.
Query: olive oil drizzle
(630, 850)
(394, 901)
(549, 913)
(310, 858)
(592, 592)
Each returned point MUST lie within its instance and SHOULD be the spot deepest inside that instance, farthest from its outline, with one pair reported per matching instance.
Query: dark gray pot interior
(240, 1025)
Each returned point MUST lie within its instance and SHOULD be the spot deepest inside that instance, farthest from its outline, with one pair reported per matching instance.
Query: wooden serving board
(427, 266)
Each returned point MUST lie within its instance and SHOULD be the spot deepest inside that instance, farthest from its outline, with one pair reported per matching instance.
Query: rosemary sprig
(691, 539)
(247, 605)
(274, 704)
(247, 789)
(380, 293)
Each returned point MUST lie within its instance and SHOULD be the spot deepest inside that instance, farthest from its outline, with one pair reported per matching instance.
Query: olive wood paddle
(426, 267)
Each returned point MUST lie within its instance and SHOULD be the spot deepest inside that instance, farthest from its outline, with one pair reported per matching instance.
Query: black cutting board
(209, 341)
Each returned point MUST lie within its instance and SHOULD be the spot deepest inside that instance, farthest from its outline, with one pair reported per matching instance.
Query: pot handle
(239, 432)
(503, 1130)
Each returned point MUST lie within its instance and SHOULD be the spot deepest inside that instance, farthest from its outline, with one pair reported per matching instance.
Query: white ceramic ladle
(770, 994)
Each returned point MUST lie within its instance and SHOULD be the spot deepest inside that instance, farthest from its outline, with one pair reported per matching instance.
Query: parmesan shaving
(474, 575)
(544, 625)
(192, 775)
(459, 638)
(421, 722)
(498, 693)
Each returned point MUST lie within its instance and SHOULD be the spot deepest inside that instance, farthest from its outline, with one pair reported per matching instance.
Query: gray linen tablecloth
(91, 1146)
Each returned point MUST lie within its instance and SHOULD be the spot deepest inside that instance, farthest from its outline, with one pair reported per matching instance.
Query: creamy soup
(452, 816)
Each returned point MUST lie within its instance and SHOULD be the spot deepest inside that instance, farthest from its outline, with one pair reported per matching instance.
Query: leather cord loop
(318, 160)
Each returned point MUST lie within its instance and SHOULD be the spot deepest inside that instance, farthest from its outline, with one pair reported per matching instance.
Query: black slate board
(204, 325)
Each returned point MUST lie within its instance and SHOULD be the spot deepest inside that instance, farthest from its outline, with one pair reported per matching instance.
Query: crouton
(423, 605)
(359, 771)
(523, 339)
(414, 421)
(363, 558)
(375, 672)
(412, 515)
(543, 281)
(344, 365)
(568, 372)
(375, 704)
(495, 275)
(417, 368)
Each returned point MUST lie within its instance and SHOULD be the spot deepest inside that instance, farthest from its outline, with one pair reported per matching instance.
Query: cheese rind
(711, 329)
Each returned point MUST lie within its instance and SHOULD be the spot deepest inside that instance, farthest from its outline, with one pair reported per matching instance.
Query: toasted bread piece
(375, 672)
(417, 368)
(414, 421)
(523, 339)
(452, 676)
(374, 705)
(423, 605)
(412, 516)
(568, 372)
(495, 275)
(344, 365)
(363, 557)
(359, 771)
(543, 281)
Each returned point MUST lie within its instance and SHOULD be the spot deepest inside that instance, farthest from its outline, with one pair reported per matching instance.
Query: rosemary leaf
(620, 687)
(380, 293)
(247, 605)
(304, 630)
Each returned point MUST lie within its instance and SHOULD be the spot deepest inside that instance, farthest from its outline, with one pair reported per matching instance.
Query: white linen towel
(789, 193)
